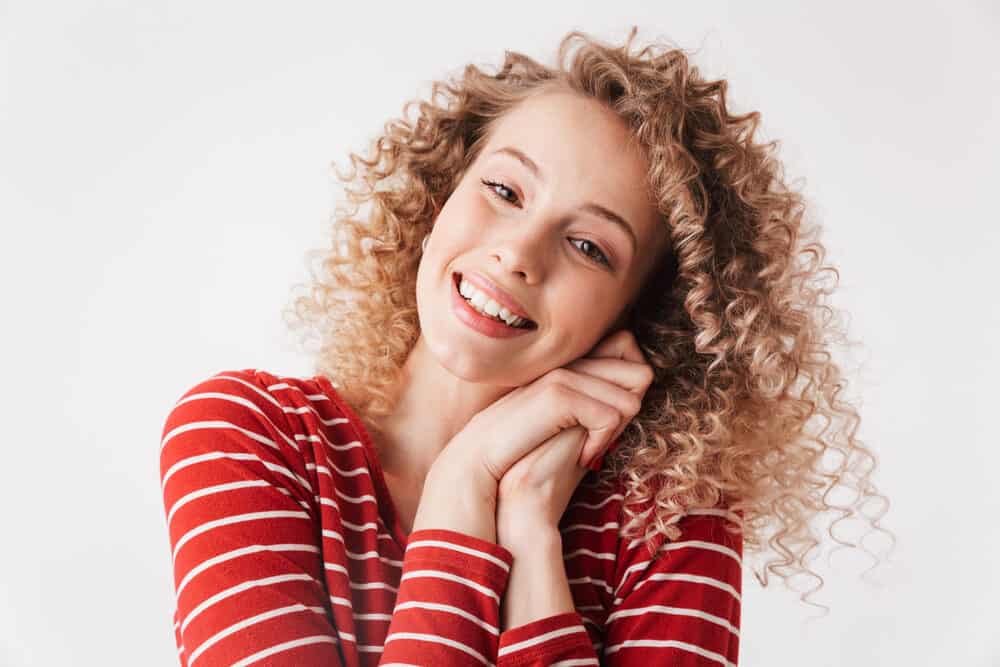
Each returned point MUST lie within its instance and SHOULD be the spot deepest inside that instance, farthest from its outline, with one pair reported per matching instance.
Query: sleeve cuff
(464, 554)
(545, 640)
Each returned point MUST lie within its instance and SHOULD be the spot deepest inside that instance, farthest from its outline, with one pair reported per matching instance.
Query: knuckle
(557, 393)
(558, 376)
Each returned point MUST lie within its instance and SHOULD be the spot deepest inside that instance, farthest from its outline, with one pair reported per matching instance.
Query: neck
(432, 405)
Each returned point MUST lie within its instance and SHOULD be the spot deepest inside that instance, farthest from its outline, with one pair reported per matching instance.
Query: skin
(540, 247)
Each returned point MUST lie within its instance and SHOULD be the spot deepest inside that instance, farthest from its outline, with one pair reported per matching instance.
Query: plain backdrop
(165, 166)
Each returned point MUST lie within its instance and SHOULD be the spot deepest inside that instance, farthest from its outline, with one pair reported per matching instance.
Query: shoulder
(252, 408)
(252, 391)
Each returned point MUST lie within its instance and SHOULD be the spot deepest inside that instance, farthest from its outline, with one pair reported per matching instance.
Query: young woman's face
(540, 236)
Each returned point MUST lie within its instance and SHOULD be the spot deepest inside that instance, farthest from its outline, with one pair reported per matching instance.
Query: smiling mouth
(527, 324)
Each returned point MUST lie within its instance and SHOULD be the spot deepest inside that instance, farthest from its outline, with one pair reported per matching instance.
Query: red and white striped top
(286, 551)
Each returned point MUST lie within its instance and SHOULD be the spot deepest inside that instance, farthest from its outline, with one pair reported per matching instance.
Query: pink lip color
(484, 325)
(483, 284)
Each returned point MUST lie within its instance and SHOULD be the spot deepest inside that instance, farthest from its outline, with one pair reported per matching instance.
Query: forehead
(563, 127)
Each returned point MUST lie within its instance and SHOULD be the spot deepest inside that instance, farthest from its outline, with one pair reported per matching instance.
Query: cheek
(579, 325)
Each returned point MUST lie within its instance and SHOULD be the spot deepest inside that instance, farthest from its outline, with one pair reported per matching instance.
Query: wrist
(458, 502)
(520, 533)
(454, 467)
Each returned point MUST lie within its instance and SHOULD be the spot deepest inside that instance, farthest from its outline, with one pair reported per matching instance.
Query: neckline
(386, 506)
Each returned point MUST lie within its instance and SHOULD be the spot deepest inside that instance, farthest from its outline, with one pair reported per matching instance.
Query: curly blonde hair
(733, 321)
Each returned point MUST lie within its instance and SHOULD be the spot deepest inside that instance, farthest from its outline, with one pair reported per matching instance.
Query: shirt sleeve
(448, 606)
(243, 522)
(241, 518)
(680, 607)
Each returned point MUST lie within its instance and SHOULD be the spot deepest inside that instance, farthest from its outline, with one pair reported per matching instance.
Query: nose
(524, 251)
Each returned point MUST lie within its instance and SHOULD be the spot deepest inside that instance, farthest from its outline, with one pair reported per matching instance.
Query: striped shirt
(286, 550)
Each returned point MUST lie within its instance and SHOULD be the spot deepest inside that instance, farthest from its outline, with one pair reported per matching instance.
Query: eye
(601, 258)
(492, 187)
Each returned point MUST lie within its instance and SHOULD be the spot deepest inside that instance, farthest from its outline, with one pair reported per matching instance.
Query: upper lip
(495, 292)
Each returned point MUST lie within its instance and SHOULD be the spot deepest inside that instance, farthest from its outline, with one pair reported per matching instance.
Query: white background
(165, 166)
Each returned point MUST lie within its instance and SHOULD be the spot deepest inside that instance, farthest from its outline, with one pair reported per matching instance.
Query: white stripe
(584, 526)
(663, 576)
(602, 555)
(236, 553)
(334, 535)
(246, 623)
(239, 588)
(592, 580)
(371, 525)
(368, 555)
(442, 544)
(447, 608)
(210, 490)
(437, 640)
(239, 400)
(331, 502)
(295, 643)
(356, 499)
(672, 546)
(372, 617)
(541, 639)
(670, 643)
(353, 444)
(438, 574)
(613, 496)
(343, 602)
(238, 518)
(211, 456)
(372, 585)
(368, 648)
(675, 611)
(575, 662)
(336, 567)
(216, 424)
(292, 409)
(352, 472)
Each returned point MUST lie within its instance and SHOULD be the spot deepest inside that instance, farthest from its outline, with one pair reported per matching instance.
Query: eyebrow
(590, 207)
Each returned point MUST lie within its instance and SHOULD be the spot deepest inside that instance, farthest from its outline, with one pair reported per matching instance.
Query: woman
(568, 360)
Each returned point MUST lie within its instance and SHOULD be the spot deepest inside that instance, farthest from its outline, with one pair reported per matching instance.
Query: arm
(248, 573)
(540, 623)
(454, 575)
(538, 586)
(248, 569)
(681, 607)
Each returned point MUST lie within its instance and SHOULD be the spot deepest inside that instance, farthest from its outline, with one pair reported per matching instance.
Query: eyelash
(490, 185)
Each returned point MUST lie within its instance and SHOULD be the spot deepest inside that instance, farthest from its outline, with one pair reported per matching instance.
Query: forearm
(454, 499)
(538, 586)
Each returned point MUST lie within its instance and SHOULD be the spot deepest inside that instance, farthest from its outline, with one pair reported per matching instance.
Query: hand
(593, 398)
(534, 492)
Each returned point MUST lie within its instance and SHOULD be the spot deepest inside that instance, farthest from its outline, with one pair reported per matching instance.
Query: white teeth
(488, 306)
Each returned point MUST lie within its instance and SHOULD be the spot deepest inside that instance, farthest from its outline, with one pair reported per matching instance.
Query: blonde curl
(746, 405)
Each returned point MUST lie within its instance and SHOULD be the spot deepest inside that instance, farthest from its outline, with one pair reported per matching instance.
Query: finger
(607, 391)
(600, 419)
(618, 345)
(635, 377)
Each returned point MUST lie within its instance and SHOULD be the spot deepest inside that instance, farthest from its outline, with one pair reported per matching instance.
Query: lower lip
(484, 325)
